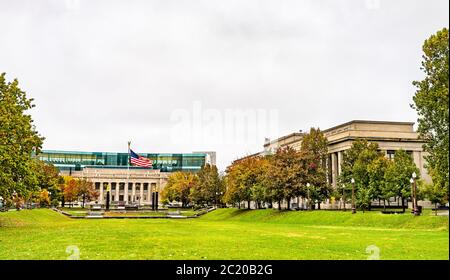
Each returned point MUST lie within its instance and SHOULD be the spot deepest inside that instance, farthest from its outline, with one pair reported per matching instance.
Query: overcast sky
(175, 76)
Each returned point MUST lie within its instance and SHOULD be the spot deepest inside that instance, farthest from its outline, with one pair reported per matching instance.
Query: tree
(19, 140)
(286, 173)
(44, 198)
(431, 102)
(85, 189)
(376, 182)
(361, 162)
(260, 189)
(247, 180)
(48, 178)
(398, 175)
(70, 190)
(349, 158)
(363, 199)
(435, 194)
(209, 188)
(178, 187)
(314, 152)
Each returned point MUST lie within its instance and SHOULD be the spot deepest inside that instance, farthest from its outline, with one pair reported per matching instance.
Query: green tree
(209, 189)
(360, 163)
(260, 190)
(398, 175)
(363, 199)
(375, 172)
(431, 102)
(19, 140)
(435, 194)
(350, 157)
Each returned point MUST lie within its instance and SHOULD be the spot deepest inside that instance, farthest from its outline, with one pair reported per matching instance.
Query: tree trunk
(435, 209)
(318, 206)
(84, 197)
(403, 204)
(63, 202)
(288, 207)
(279, 205)
(384, 204)
(248, 204)
(239, 205)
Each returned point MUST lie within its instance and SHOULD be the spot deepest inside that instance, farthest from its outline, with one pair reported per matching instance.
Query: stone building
(127, 184)
(390, 136)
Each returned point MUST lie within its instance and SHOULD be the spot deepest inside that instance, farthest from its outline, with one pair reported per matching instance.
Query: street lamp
(308, 205)
(416, 209)
(411, 180)
(353, 196)
(343, 195)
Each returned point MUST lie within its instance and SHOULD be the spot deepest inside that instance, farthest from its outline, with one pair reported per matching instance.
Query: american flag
(139, 161)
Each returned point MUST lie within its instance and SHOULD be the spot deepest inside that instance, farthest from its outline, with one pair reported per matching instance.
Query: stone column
(333, 169)
(101, 193)
(125, 192)
(340, 159)
(141, 195)
(133, 192)
(117, 191)
(149, 193)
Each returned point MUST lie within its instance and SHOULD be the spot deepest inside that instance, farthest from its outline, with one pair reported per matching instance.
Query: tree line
(203, 188)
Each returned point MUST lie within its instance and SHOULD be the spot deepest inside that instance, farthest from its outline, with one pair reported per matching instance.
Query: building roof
(366, 122)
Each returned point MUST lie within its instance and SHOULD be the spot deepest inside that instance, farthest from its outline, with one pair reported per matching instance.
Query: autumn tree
(86, 191)
(286, 173)
(431, 103)
(70, 190)
(314, 151)
(178, 187)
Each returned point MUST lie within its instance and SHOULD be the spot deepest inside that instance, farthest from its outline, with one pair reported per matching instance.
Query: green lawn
(226, 234)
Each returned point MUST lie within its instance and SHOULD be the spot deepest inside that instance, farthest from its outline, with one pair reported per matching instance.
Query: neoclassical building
(126, 184)
(390, 136)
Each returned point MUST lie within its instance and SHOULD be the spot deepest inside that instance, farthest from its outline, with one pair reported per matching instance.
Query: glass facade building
(76, 161)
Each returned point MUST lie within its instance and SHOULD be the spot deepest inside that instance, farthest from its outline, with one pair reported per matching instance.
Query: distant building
(128, 184)
(390, 136)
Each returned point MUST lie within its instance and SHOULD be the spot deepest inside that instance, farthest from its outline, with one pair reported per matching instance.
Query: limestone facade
(127, 186)
(390, 136)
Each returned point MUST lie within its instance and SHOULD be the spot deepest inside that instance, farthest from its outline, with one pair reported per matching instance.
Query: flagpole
(128, 168)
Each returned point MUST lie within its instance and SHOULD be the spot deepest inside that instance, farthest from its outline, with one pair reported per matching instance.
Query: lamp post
(416, 209)
(307, 187)
(353, 197)
(343, 195)
(411, 180)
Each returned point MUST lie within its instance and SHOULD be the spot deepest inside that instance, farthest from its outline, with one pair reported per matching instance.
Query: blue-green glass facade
(68, 160)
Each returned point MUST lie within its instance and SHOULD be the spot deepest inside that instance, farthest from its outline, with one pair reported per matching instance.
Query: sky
(183, 76)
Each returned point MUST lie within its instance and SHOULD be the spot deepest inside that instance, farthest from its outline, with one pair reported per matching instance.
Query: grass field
(226, 234)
